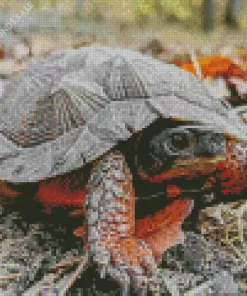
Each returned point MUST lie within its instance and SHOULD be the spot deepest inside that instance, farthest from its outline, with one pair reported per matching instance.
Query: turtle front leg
(111, 240)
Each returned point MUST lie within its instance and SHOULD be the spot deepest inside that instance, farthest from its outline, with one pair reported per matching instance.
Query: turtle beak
(189, 169)
(196, 167)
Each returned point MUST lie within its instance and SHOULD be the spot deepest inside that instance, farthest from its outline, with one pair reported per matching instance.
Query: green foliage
(143, 9)
(242, 20)
(128, 12)
(179, 9)
(39, 4)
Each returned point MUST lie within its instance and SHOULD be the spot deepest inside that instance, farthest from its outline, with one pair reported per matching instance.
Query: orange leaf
(214, 66)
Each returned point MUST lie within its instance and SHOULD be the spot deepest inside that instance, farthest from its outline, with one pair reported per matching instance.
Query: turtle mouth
(187, 169)
(195, 167)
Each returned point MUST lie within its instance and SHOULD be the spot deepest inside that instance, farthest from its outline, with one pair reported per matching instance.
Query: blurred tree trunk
(208, 15)
(232, 12)
(79, 8)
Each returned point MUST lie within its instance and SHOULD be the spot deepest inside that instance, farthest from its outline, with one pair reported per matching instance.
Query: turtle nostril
(211, 144)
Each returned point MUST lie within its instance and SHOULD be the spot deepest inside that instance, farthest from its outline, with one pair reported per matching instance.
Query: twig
(74, 276)
(199, 290)
(11, 276)
(47, 281)
(196, 65)
(239, 254)
(66, 263)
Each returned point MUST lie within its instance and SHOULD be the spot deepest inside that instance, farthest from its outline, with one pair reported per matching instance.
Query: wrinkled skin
(140, 244)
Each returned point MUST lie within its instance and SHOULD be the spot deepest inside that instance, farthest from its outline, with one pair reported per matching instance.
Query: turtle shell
(68, 109)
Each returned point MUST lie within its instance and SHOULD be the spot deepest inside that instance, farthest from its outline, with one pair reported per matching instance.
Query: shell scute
(71, 107)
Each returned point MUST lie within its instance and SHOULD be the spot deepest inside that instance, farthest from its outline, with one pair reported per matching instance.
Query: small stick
(46, 282)
(196, 65)
(199, 289)
(239, 254)
(66, 263)
(74, 277)
(11, 276)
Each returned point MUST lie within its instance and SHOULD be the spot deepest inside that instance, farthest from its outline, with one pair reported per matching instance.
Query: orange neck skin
(189, 169)
(229, 171)
(63, 191)
(7, 194)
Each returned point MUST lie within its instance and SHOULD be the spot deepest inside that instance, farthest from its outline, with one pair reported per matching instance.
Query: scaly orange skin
(167, 222)
(160, 230)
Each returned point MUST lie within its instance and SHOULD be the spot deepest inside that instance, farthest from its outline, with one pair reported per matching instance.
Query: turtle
(106, 129)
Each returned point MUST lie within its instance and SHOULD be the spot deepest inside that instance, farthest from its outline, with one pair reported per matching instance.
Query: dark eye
(180, 143)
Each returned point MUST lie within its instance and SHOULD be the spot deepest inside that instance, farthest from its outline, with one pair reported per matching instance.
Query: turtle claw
(121, 276)
(102, 259)
(142, 285)
(157, 284)
(140, 281)
(124, 262)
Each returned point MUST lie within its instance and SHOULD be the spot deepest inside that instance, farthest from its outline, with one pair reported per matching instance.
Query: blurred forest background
(132, 22)
(189, 13)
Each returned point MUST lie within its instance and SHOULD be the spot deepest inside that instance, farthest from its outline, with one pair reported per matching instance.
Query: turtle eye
(180, 143)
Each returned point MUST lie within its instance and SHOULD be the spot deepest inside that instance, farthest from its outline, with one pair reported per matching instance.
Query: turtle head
(183, 151)
(197, 158)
